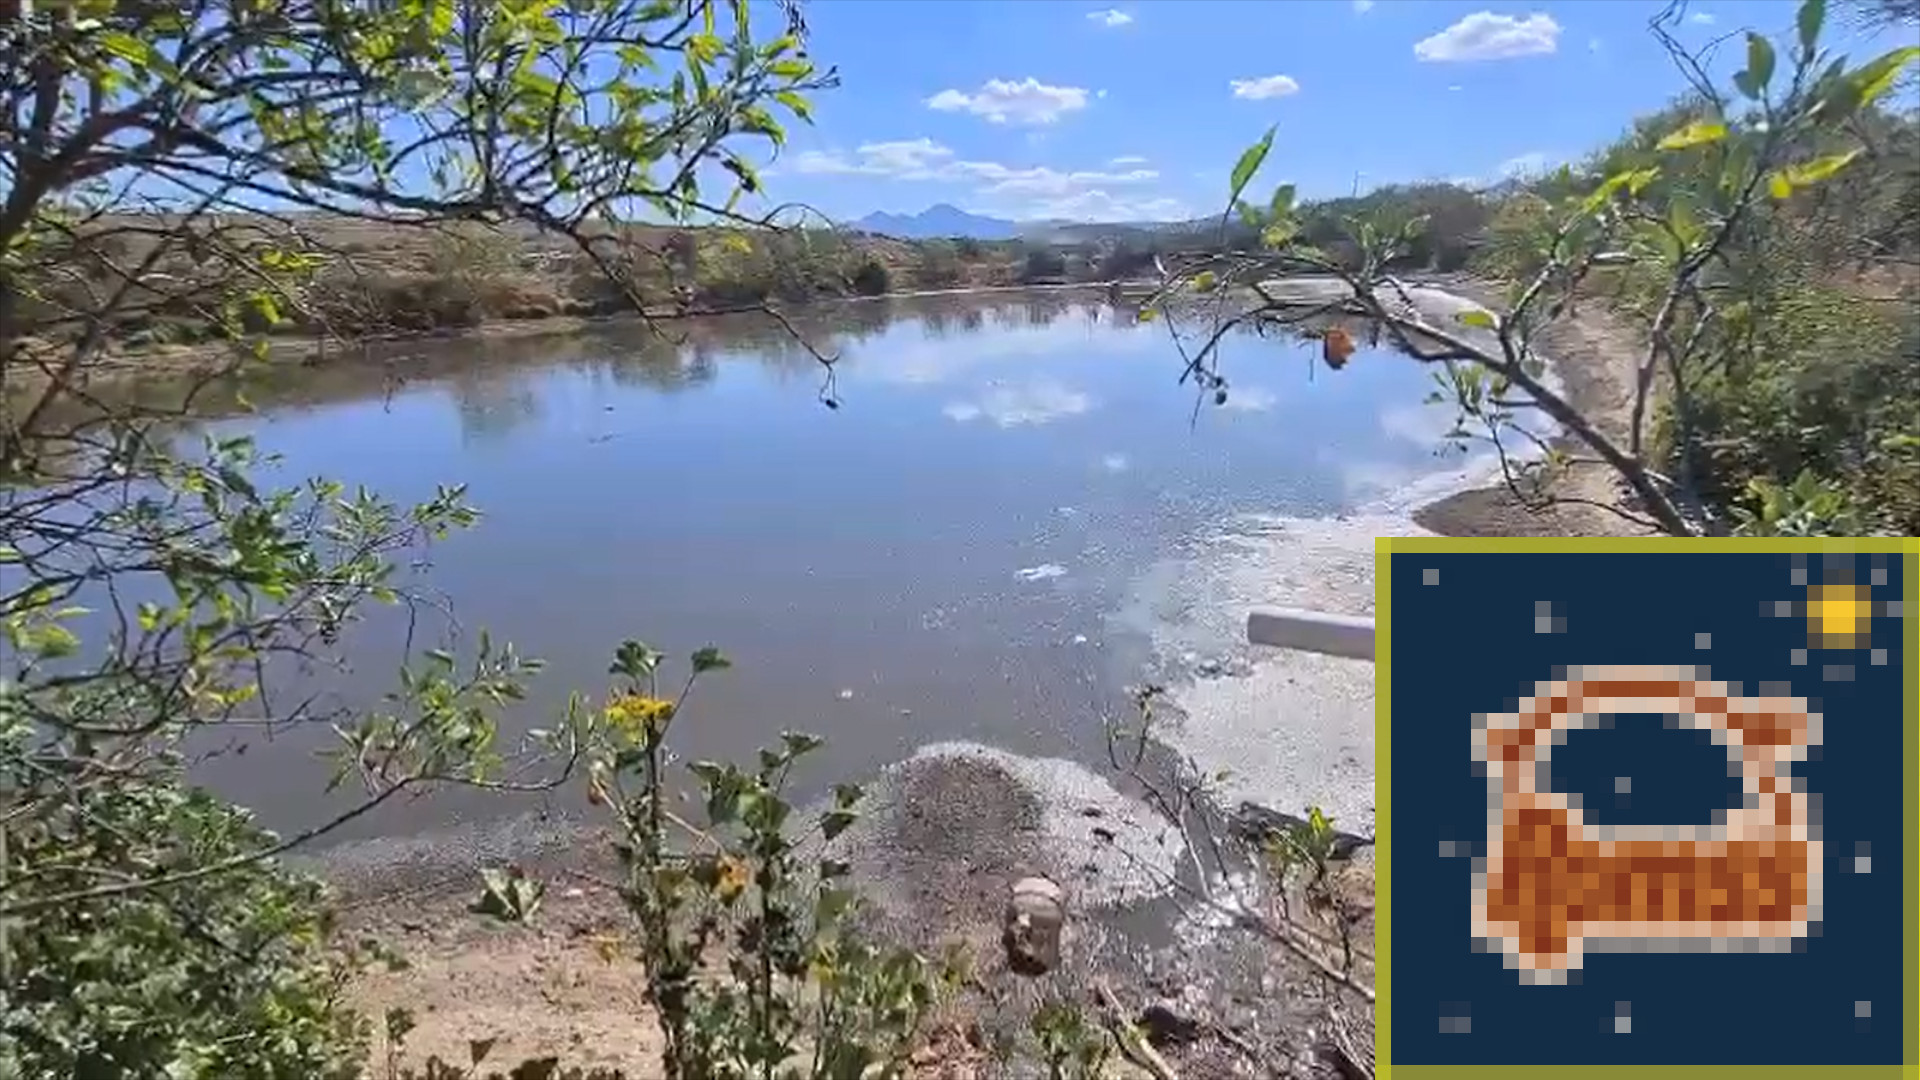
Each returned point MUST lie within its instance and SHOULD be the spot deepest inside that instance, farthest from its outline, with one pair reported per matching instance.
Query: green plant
(755, 962)
(1071, 1047)
(871, 279)
(211, 977)
(1043, 264)
(1806, 507)
(1311, 847)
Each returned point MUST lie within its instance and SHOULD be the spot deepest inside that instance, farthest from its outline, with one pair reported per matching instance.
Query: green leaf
(1205, 281)
(1282, 201)
(705, 48)
(798, 743)
(1633, 182)
(1698, 133)
(1250, 161)
(1476, 317)
(1878, 76)
(1807, 173)
(795, 104)
(709, 659)
(1753, 81)
(835, 822)
(1812, 15)
(127, 47)
(635, 660)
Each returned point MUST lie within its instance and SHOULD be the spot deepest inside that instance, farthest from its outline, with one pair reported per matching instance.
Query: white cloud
(1531, 163)
(924, 159)
(1041, 180)
(1098, 204)
(1595, 44)
(1363, 6)
(1486, 36)
(1001, 101)
(1040, 191)
(1109, 17)
(1268, 86)
(1702, 18)
(1455, 88)
(1125, 160)
(913, 159)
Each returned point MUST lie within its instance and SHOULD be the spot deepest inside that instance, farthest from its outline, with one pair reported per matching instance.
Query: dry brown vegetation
(381, 278)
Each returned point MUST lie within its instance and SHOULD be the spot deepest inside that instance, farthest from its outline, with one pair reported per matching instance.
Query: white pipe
(1313, 631)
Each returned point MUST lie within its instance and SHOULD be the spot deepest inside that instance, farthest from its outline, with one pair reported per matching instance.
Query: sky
(1119, 110)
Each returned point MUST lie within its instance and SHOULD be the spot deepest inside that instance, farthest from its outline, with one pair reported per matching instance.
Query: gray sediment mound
(945, 833)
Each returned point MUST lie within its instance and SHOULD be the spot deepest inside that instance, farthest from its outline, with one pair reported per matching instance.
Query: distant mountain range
(938, 222)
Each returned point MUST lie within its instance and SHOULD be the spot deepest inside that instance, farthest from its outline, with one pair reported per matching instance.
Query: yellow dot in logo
(1838, 615)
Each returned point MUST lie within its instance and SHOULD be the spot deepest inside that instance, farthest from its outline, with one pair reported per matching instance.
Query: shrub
(1042, 265)
(871, 279)
(939, 266)
(802, 983)
(220, 976)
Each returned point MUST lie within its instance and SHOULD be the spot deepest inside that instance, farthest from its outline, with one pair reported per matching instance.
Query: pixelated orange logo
(1554, 886)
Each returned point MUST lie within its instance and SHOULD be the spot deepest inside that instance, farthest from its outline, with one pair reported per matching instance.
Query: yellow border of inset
(1384, 548)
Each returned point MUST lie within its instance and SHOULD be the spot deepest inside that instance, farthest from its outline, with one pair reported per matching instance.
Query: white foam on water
(1298, 730)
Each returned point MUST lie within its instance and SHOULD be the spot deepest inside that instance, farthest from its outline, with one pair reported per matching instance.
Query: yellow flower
(637, 716)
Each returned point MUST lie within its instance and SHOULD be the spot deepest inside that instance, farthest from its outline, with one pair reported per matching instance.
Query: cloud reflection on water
(1037, 401)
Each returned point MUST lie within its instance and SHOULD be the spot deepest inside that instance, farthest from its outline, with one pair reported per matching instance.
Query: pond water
(941, 557)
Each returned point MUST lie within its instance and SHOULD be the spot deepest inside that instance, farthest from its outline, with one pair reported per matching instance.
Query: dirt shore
(1595, 353)
(942, 837)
